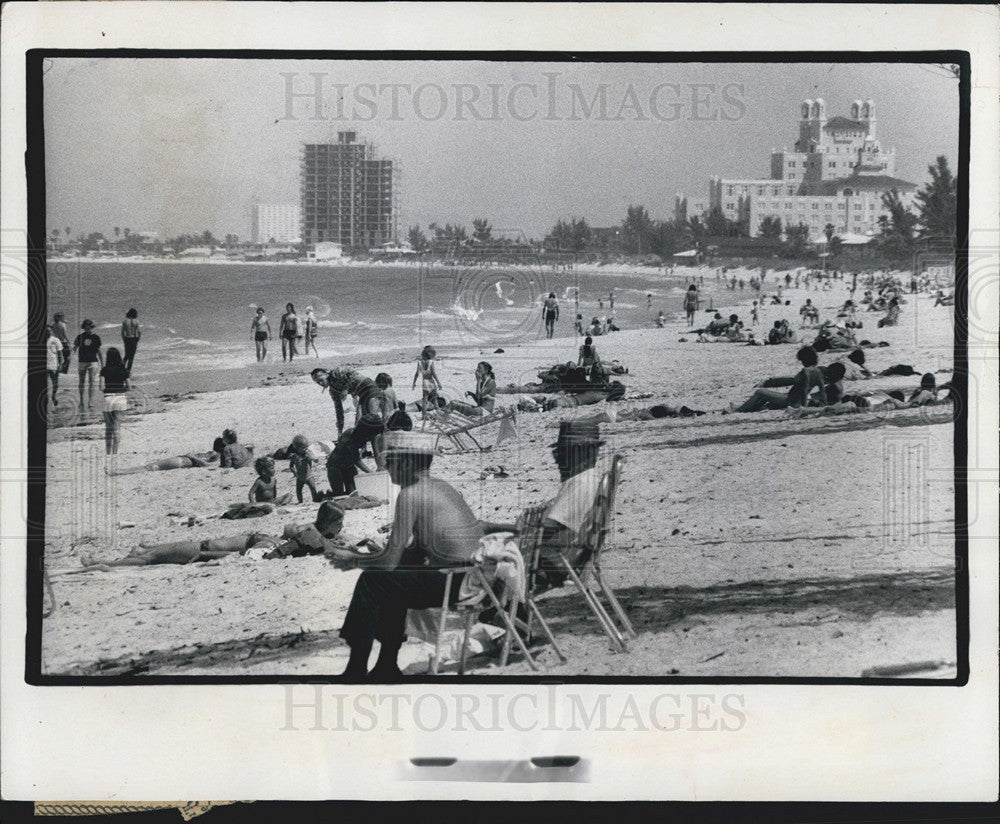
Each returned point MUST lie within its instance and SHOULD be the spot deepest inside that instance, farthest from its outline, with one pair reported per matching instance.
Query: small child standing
(302, 460)
(753, 314)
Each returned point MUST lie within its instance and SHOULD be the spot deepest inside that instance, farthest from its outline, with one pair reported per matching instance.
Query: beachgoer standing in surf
(261, 328)
(550, 312)
(90, 360)
(312, 325)
(288, 330)
(131, 332)
(60, 331)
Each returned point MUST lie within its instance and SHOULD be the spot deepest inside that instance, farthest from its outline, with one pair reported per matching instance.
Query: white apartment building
(276, 223)
(836, 174)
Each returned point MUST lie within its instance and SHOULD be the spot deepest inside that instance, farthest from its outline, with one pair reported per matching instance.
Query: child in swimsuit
(425, 371)
(265, 488)
(302, 460)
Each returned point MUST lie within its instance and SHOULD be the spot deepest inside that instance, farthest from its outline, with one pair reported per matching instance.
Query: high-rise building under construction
(348, 194)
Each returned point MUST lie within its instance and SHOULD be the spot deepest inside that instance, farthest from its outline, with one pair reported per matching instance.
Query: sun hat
(410, 443)
(578, 433)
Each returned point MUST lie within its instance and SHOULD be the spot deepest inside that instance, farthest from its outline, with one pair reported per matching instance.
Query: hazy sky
(185, 145)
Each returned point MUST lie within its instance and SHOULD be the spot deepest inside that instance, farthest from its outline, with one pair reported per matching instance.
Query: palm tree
(482, 232)
(937, 204)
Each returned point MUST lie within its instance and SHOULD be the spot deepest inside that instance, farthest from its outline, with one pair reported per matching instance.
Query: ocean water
(197, 315)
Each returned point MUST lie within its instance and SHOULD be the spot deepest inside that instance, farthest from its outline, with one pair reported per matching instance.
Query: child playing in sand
(302, 460)
(428, 375)
(265, 488)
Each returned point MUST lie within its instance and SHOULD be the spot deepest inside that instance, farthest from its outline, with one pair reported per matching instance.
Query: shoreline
(170, 382)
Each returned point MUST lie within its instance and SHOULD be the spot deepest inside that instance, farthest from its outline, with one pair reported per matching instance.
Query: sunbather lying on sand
(179, 462)
(296, 540)
(611, 415)
(716, 328)
(615, 391)
(927, 394)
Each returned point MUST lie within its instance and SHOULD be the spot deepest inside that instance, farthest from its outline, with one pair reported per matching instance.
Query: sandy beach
(742, 545)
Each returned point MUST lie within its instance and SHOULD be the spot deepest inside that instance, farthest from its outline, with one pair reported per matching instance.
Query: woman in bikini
(428, 375)
(484, 396)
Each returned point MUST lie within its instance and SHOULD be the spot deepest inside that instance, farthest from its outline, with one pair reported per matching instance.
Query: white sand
(743, 545)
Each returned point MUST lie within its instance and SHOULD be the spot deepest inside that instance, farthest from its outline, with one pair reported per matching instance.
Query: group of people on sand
(291, 330)
(432, 527)
(96, 369)
(822, 386)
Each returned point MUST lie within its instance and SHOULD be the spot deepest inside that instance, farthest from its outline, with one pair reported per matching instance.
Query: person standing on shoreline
(131, 332)
(115, 377)
(261, 328)
(310, 331)
(60, 331)
(89, 360)
(53, 365)
(550, 313)
(691, 303)
(288, 331)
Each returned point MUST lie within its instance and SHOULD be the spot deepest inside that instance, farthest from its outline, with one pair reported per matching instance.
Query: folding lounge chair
(469, 612)
(587, 564)
(456, 429)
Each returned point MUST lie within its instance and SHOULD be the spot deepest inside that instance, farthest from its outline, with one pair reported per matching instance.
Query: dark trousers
(341, 479)
(381, 598)
(131, 344)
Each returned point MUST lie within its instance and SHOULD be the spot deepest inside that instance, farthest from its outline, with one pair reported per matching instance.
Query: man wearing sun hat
(432, 527)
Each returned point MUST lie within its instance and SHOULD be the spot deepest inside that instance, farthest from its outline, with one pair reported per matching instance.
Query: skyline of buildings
(836, 174)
